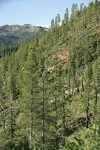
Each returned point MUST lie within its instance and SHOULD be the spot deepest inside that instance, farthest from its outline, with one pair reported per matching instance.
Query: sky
(35, 12)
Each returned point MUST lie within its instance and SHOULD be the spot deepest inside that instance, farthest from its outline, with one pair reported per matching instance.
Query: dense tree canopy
(50, 86)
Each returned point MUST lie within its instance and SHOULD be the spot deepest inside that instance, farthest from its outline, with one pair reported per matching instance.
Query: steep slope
(50, 87)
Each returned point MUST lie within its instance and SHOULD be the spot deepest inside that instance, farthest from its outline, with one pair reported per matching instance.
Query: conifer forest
(50, 85)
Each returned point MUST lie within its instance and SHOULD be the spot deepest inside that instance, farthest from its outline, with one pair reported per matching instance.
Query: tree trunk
(63, 117)
(11, 123)
(30, 136)
(87, 109)
(95, 100)
(82, 82)
(87, 114)
(43, 116)
(55, 99)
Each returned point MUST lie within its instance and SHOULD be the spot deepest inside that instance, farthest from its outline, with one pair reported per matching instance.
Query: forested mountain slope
(50, 87)
(12, 35)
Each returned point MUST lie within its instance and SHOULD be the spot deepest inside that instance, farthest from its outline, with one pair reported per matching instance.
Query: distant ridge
(14, 34)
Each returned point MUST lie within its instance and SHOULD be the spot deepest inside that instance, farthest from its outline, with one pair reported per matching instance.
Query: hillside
(11, 35)
(50, 86)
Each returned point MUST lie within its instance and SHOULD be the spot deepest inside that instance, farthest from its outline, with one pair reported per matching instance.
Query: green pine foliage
(50, 86)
